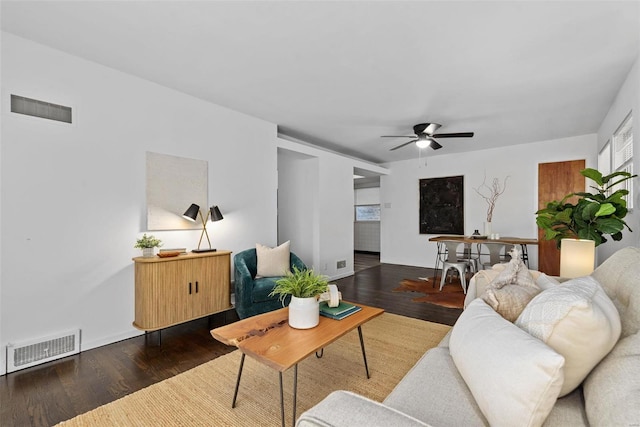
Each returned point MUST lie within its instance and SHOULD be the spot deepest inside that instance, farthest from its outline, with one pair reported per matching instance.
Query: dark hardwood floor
(363, 260)
(47, 394)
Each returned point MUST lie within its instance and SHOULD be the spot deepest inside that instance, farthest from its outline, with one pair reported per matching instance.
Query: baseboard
(341, 275)
(84, 346)
(367, 252)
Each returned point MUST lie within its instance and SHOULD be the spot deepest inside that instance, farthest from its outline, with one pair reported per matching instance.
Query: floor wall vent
(35, 352)
(42, 109)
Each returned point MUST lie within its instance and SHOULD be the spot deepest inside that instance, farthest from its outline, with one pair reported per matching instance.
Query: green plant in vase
(304, 286)
(300, 284)
(147, 244)
(593, 216)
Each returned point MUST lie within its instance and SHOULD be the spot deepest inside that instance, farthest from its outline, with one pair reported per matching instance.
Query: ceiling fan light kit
(425, 136)
(423, 142)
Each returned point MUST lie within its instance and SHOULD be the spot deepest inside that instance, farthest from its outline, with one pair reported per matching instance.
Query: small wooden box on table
(269, 339)
(169, 291)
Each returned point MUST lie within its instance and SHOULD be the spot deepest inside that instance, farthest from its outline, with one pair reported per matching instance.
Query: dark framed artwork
(442, 205)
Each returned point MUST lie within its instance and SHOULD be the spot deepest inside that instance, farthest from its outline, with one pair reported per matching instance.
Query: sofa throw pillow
(511, 290)
(514, 377)
(273, 262)
(545, 282)
(578, 320)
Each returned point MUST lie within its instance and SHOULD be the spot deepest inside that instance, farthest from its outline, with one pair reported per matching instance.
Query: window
(367, 213)
(604, 162)
(622, 155)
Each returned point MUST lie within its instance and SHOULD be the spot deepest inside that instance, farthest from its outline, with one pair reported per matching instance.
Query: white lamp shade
(577, 257)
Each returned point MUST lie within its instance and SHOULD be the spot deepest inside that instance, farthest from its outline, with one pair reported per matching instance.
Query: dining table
(494, 246)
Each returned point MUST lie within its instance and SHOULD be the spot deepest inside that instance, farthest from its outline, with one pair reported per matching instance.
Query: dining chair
(496, 256)
(453, 261)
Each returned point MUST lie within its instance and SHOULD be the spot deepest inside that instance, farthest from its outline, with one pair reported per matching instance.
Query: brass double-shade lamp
(192, 214)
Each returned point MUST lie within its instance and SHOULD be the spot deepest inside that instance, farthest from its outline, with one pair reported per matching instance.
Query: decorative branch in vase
(490, 194)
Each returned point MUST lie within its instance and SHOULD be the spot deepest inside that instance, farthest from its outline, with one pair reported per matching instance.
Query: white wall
(333, 230)
(514, 215)
(298, 186)
(73, 196)
(367, 196)
(628, 99)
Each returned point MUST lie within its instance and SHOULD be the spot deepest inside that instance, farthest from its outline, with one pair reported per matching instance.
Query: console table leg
(364, 355)
(235, 393)
(281, 399)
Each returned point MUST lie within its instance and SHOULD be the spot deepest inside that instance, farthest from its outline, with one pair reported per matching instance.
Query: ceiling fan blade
(398, 136)
(402, 145)
(453, 135)
(434, 144)
(419, 128)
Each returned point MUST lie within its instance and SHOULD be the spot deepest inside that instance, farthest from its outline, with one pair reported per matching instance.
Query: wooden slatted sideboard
(169, 291)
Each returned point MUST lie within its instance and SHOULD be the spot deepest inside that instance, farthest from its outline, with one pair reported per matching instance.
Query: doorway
(366, 222)
(555, 180)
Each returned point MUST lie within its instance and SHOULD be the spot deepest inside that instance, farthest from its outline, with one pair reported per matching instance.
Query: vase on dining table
(487, 228)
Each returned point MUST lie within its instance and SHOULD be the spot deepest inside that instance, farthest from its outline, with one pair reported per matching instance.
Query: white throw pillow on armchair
(273, 262)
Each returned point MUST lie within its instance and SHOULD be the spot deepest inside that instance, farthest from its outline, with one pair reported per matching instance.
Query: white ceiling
(340, 74)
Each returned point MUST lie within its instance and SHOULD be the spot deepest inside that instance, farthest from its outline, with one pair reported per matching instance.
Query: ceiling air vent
(42, 109)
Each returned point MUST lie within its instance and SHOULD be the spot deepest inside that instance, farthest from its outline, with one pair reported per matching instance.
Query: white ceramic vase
(304, 313)
(148, 252)
(487, 229)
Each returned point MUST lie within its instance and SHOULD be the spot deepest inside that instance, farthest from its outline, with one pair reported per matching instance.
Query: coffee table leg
(281, 400)
(364, 355)
(235, 393)
(295, 392)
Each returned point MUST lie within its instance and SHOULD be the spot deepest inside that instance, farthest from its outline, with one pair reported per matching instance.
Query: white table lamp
(577, 257)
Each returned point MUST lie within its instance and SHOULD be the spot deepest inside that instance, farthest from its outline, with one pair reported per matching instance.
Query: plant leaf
(593, 175)
(609, 225)
(605, 209)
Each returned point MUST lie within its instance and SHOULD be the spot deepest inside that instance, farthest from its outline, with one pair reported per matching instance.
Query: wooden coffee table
(269, 339)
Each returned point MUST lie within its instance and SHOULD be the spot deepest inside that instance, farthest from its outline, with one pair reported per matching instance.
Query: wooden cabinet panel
(169, 291)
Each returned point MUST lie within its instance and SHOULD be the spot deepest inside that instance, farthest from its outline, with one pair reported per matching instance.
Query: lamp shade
(577, 257)
(215, 214)
(192, 213)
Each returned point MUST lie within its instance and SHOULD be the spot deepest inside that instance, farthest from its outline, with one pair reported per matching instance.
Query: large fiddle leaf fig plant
(593, 216)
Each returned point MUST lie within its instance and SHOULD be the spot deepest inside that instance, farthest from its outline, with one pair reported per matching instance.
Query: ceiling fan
(425, 136)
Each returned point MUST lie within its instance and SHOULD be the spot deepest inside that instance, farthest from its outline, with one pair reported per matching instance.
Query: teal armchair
(251, 294)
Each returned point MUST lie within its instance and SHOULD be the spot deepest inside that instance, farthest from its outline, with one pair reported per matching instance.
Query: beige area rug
(202, 396)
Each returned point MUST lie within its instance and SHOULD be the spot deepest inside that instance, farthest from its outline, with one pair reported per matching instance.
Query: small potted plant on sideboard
(148, 245)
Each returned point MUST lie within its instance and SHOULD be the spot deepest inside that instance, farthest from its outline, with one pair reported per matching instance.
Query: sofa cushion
(618, 275)
(346, 409)
(514, 377)
(511, 290)
(568, 411)
(434, 391)
(612, 389)
(576, 319)
(273, 262)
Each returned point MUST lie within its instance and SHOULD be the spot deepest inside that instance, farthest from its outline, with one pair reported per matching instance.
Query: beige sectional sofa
(488, 371)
